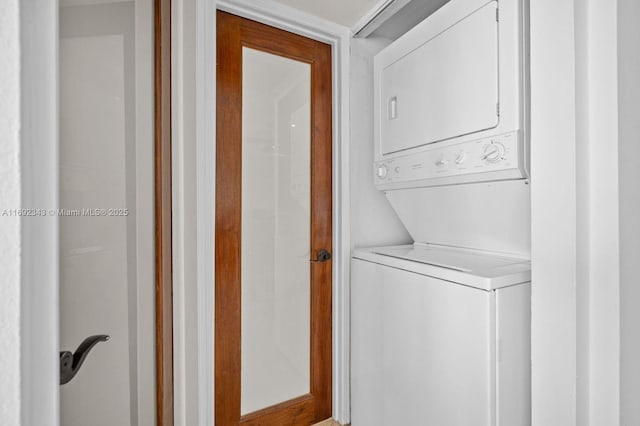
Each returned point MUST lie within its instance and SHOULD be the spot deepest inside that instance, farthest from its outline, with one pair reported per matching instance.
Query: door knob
(70, 363)
(323, 256)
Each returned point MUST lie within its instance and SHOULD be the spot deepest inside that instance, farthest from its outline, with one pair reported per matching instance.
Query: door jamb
(163, 214)
(39, 370)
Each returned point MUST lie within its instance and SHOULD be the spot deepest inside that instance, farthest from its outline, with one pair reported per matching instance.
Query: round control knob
(382, 171)
(461, 157)
(493, 152)
(441, 161)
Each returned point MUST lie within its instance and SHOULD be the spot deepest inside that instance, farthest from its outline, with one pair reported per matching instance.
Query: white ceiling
(89, 2)
(344, 12)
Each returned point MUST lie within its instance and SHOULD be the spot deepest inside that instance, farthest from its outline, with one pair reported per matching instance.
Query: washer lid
(485, 271)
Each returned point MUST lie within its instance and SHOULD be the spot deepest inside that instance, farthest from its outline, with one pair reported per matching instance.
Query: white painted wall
(607, 105)
(585, 319)
(583, 248)
(553, 200)
(191, 230)
(628, 16)
(28, 284)
(10, 225)
(600, 140)
(373, 221)
(39, 174)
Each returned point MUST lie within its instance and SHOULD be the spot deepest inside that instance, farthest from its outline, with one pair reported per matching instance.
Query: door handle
(70, 363)
(323, 256)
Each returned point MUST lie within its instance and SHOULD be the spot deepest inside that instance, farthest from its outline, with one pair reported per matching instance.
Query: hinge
(497, 14)
(498, 109)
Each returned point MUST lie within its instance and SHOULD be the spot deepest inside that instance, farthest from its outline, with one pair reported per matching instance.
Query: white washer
(440, 336)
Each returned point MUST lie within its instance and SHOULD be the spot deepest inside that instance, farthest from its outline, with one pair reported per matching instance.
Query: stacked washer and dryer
(440, 329)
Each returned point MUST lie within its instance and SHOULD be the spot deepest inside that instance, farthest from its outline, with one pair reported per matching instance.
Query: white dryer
(440, 336)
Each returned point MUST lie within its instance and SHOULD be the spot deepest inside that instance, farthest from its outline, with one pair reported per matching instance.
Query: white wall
(39, 174)
(607, 100)
(9, 226)
(586, 242)
(373, 221)
(583, 219)
(188, 233)
(553, 218)
(28, 292)
(628, 16)
(600, 140)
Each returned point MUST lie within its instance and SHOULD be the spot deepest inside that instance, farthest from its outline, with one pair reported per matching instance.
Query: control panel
(497, 157)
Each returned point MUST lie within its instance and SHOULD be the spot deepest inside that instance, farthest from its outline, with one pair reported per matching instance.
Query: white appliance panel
(494, 216)
(426, 351)
(472, 268)
(495, 158)
(456, 259)
(367, 384)
(430, 351)
(513, 346)
(446, 87)
(429, 362)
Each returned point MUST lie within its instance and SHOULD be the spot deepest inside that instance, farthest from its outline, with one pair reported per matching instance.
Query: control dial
(441, 161)
(493, 152)
(381, 171)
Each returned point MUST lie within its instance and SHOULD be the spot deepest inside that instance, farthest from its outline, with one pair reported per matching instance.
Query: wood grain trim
(298, 411)
(163, 243)
(234, 33)
(321, 230)
(228, 223)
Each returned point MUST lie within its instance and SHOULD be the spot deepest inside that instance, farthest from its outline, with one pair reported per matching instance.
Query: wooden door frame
(163, 226)
(238, 32)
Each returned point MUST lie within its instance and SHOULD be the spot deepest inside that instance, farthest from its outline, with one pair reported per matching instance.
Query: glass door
(273, 226)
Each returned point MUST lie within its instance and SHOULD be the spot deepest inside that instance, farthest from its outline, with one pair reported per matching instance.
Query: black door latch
(70, 363)
(323, 256)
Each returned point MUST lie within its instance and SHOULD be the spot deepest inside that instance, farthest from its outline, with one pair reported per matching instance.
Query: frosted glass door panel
(275, 325)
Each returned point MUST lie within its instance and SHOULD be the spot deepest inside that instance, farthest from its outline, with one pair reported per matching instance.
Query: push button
(382, 171)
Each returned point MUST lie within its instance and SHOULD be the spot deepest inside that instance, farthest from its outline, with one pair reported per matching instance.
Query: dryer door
(446, 87)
